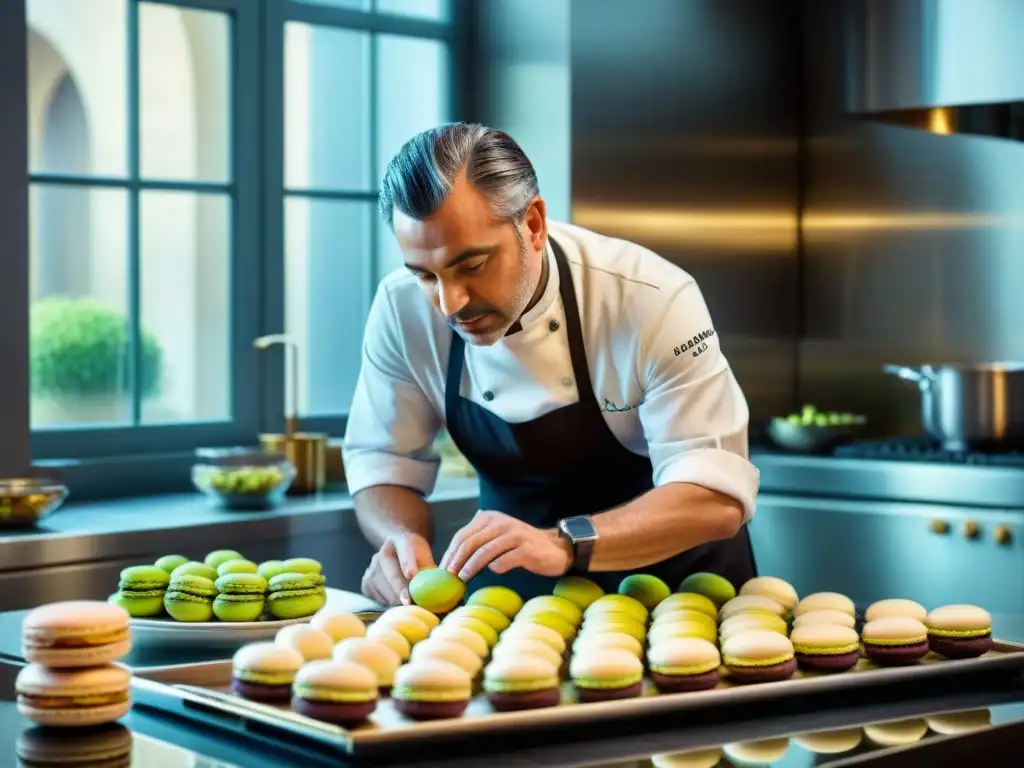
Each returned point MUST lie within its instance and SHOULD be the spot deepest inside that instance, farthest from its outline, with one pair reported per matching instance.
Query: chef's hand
(497, 541)
(400, 558)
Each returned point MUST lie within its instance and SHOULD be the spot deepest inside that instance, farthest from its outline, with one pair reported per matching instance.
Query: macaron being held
(606, 675)
(430, 689)
(960, 631)
(437, 590)
(683, 664)
(339, 692)
(524, 682)
(75, 633)
(190, 598)
(826, 647)
(895, 641)
(759, 656)
(265, 671)
(73, 697)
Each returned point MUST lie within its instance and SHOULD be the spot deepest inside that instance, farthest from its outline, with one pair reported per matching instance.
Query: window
(203, 172)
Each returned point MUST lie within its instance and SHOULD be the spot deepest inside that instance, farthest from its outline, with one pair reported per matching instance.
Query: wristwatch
(580, 532)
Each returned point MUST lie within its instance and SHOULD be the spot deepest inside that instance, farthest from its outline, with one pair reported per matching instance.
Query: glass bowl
(242, 478)
(26, 500)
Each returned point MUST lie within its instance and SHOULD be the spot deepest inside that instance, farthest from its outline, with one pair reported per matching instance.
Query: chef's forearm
(662, 523)
(388, 510)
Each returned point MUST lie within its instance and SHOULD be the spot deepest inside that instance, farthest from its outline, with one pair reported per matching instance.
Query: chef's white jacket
(665, 388)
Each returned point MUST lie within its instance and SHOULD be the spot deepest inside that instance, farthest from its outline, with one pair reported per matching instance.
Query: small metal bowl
(242, 478)
(810, 438)
(24, 501)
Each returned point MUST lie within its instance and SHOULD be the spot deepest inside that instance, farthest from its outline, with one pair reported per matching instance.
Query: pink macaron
(76, 633)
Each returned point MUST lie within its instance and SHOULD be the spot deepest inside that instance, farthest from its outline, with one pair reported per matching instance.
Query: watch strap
(582, 544)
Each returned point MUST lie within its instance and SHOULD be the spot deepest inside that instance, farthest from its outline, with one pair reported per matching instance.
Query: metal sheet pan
(202, 691)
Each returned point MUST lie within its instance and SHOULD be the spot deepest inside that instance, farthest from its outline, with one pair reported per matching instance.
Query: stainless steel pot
(969, 405)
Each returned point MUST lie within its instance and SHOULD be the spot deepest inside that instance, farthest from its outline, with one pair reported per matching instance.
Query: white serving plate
(165, 630)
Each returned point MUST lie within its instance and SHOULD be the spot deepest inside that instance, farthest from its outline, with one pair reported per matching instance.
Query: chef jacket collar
(539, 311)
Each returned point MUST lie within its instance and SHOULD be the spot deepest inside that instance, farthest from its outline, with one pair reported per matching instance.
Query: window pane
(79, 289)
(412, 91)
(355, 5)
(77, 93)
(184, 93)
(434, 10)
(326, 108)
(184, 297)
(327, 295)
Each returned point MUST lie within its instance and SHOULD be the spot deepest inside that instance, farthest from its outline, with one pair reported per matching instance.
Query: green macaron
(241, 598)
(215, 558)
(271, 568)
(236, 566)
(190, 598)
(302, 565)
(294, 595)
(170, 562)
(140, 590)
(195, 568)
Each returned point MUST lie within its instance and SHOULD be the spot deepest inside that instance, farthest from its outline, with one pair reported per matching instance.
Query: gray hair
(422, 173)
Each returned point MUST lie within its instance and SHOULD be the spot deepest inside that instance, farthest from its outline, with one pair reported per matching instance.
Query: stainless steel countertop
(100, 530)
(910, 481)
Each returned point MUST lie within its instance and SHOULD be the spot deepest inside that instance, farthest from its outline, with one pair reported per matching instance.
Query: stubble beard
(517, 306)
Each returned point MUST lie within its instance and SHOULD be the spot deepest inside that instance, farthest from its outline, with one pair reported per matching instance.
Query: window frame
(105, 461)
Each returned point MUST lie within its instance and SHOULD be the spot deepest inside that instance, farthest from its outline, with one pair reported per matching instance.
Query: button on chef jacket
(665, 388)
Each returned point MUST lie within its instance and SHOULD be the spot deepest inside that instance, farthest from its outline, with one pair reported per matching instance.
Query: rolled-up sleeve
(694, 414)
(392, 424)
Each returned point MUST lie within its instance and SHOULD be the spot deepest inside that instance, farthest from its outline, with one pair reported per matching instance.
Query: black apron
(566, 462)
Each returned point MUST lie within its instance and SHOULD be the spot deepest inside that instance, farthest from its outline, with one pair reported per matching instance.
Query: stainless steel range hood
(946, 66)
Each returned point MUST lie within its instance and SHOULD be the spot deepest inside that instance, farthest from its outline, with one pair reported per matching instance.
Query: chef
(579, 374)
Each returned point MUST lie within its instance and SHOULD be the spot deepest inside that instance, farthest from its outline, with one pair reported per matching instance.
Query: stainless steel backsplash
(684, 139)
(913, 245)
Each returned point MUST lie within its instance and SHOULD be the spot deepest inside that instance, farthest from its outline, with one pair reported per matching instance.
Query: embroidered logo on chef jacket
(698, 343)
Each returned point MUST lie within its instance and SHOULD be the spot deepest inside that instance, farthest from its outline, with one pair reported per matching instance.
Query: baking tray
(202, 692)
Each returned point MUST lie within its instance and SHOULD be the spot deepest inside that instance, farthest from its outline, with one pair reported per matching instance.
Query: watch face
(580, 528)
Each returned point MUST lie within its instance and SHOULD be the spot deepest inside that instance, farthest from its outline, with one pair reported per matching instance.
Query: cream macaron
(751, 604)
(309, 642)
(686, 601)
(593, 642)
(895, 606)
(782, 592)
(450, 651)
(744, 621)
(458, 634)
(825, 616)
(392, 638)
(832, 601)
(527, 646)
(340, 625)
(683, 664)
(372, 654)
(536, 632)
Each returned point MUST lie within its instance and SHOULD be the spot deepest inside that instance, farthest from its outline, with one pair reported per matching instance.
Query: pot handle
(908, 374)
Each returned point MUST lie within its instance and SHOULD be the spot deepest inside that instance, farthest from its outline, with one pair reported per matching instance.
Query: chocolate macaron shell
(895, 641)
(959, 631)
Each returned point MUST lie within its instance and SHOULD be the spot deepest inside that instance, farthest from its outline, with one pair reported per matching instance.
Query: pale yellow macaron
(486, 631)
(527, 646)
(682, 629)
(536, 632)
(897, 733)
(744, 621)
(459, 634)
(340, 625)
(411, 627)
(565, 608)
(895, 606)
(832, 601)
(617, 604)
(685, 600)
(392, 638)
(751, 604)
(372, 654)
(684, 614)
(625, 625)
(825, 616)
(782, 592)
(497, 620)
(450, 651)
(594, 641)
(309, 642)
(762, 752)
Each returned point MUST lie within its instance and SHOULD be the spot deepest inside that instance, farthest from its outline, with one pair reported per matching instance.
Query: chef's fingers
(468, 547)
(371, 586)
(487, 552)
(514, 558)
(391, 574)
(482, 519)
(413, 554)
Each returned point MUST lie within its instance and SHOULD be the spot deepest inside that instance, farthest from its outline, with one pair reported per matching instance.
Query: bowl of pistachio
(242, 478)
(813, 431)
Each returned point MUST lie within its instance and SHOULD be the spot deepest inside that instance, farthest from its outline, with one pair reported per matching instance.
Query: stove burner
(926, 449)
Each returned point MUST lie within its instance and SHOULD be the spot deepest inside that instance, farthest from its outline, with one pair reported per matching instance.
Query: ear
(535, 224)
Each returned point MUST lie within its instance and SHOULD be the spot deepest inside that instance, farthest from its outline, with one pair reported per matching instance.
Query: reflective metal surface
(948, 66)
(912, 246)
(684, 139)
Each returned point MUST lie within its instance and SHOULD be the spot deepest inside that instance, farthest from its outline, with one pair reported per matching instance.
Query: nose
(451, 297)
